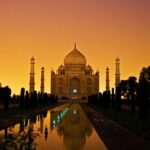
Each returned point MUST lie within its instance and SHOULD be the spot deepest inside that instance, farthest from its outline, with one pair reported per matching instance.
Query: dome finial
(75, 57)
(75, 45)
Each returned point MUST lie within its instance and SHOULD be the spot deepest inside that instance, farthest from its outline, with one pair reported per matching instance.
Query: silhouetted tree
(5, 96)
(129, 90)
(132, 91)
(27, 100)
(31, 99)
(118, 99)
(45, 98)
(100, 99)
(106, 99)
(40, 96)
(22, 98)
(113, 98)
(124, 89)
(145, 73)
(144, 92)
(34, 98)
(144, 99)
(14, 99)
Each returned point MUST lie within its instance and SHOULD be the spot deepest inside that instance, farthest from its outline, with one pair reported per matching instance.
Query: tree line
(129, 92)
(25, 99)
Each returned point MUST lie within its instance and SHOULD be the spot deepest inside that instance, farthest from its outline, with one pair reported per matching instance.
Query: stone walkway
(114, 135)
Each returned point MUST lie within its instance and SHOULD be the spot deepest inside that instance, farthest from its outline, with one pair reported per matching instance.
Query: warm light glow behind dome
(75, 57)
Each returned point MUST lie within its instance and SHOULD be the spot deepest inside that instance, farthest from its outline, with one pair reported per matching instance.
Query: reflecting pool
(63, 128)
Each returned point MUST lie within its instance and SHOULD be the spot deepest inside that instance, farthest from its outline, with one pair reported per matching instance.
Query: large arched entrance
(74, 88)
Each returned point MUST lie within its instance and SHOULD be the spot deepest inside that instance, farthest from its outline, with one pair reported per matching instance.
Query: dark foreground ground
(113, 135)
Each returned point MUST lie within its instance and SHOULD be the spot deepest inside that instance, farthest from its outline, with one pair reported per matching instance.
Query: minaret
(32, 83)
(107, 79)
(42, 80)
(117, 75)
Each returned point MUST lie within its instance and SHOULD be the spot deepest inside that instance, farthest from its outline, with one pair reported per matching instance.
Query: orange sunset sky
(47, 29)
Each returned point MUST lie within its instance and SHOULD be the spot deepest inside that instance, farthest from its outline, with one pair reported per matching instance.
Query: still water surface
(65, 127)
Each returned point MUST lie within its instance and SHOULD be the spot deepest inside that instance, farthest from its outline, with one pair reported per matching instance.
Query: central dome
(75, 58)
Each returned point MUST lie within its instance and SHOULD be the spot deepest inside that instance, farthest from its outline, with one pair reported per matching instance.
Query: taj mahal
(75, 79)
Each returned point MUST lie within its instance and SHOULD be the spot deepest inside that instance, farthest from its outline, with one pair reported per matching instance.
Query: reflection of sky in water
(63, 128)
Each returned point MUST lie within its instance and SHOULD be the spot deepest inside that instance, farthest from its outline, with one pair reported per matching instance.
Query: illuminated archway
(74, 87)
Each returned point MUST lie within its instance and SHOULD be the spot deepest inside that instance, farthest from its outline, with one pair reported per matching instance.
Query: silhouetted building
(74, 79)
(42, 80)
(117, 75)
(107, 79)
(32, 83)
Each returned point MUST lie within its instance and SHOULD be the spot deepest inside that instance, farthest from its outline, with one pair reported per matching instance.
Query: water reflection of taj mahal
(72, 124)
(75, 79)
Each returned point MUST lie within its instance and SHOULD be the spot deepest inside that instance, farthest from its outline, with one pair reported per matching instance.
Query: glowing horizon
(47, 29)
